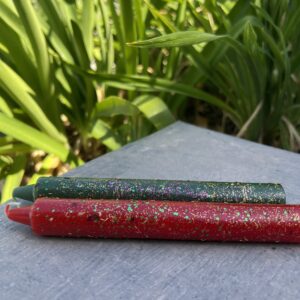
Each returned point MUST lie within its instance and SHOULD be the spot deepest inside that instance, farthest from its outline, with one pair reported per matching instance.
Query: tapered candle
(144, 189)
(155, 219)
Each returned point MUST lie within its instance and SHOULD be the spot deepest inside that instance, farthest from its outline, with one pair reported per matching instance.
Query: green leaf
(18, 54)
(180, 38)
(21, 93)
(31, 136)
(113, 106)
(241, 9)
(250, 38)
(61, 49)
(285, 136)
(118, 30)
(294, 134)
(293, 114)
(4, 140)
(129, 33)
(141, 30)
(4, 107)
(37, 39)
(152, 84)
(292, 23)
(14, 178)
(14, 148)
(88, 16)
(59, 29)
(155, 110)
(102, 131)
(79, 46)
(163, 19)
(6, 160)
(83, 57)
(11, 18)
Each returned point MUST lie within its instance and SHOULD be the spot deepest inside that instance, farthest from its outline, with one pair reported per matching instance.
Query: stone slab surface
(54, 268)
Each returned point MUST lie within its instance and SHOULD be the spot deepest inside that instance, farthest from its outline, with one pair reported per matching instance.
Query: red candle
(161, 220)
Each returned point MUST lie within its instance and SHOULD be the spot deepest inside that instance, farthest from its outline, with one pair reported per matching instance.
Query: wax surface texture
(145, 189)
(166, 220)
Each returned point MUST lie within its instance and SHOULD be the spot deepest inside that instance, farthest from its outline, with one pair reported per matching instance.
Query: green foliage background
(79, 78)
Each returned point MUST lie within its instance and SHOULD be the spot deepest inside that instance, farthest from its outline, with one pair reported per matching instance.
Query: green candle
(146, 189)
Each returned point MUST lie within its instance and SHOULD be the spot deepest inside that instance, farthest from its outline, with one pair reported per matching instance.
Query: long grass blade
(21, 93)
(114, 106)
(31, 136)
(155, 110)
(129, 34)
(102, 131)
(88, 19)
(163, 85)
(13, 179)
(38, 42)
(177, 39)
(16, 148)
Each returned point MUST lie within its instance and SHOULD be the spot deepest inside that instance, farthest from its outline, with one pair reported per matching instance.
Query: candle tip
(20, 214)
(24, 192)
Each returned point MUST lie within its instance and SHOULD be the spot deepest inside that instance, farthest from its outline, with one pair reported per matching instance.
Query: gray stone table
(54, 268)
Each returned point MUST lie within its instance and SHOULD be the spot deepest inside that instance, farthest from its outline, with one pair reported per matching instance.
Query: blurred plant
(247, 56)
(46, 105)
(71, 88)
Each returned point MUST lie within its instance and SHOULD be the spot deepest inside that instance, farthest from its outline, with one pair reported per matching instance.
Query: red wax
(162, 220)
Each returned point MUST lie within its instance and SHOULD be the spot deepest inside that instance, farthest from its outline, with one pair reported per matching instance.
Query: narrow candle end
(20, 214)
(24, 192)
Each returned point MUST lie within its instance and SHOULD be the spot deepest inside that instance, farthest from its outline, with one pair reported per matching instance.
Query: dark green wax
(145, 189)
